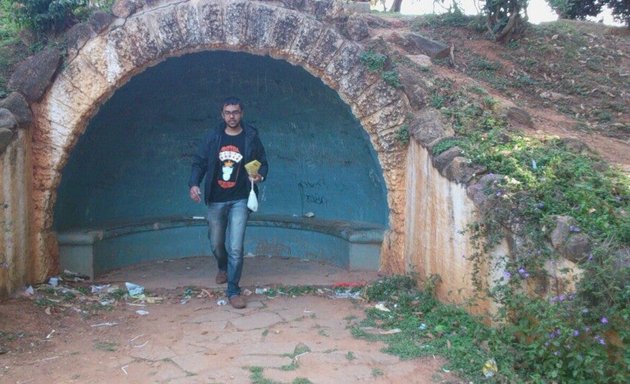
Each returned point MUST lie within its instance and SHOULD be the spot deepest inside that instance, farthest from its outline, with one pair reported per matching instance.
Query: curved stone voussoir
(344, 61)
(260, 27)
(356, 82)
(164, 25)
(135, 42)
(305, 40)
(377, 97)
(210, 20)
(235, 23)
(325, 49)
(286, 30)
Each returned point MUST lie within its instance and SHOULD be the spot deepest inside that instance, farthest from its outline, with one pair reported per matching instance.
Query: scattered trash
(346, 294)
(489, 368)
(134, 290)
(249, 254)
(247, 292)
(349, 284)
(106, 302)
(198, 218)
(50, 334)
(391, 331)
(309, 214)
(153, 299)
(142, 312)
(73, 276)
(422, 326)
(99, 288)
(382, 307)
(261, 291)
(108, 324)
(53, 281)
(29, 291)
(47, 311)
(124, 369)
(221, 302)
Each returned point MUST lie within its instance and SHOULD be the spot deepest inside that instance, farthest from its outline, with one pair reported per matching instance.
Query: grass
(106, 346)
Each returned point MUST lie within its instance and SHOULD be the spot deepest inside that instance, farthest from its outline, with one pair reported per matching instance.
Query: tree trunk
(396, 6)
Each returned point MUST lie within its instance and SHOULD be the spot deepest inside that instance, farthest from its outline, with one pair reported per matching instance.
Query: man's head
(232, 112)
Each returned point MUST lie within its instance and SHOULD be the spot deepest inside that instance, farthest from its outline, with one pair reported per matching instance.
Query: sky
(538, 10)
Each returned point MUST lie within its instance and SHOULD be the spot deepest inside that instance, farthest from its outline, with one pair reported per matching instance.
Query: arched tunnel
(132, 163)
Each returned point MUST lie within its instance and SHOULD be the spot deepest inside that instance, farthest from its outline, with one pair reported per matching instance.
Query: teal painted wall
(134, 159)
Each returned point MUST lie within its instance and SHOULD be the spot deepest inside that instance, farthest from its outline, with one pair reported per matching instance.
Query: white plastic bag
(252, 200)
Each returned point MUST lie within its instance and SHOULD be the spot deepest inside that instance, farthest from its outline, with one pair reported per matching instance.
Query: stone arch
(305, 37)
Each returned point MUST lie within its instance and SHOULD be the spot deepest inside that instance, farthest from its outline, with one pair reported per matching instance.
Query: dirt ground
(185, 336)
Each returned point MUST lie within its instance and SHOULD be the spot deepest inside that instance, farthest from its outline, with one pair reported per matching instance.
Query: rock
(6, 137)
(355, 28)
(575, 146)
(427, 127)
(442, 160)
(553, 96)
(99, 21)
(414, 87)
(7, 120)
(32, 76)
(423, 61)
(461, 170)
(417, 44)
(485, 187)
(77, 36)
(357, 6)
(520, 116)
(560, 233)
(577, 248)
(124, 8)
(17, 104)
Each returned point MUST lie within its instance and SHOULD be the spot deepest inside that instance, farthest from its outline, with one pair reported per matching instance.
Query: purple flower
(604, 320)
(600, 339)
(576, 333)
(574, 229)
(590, 257)
(523, 272)
(556, 353)
(507, 275)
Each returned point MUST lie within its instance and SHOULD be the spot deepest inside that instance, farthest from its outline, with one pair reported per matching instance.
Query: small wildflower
(600, 339)
(523, 272)
(604, 320)
(590, 257)
(574, 229)
(507, 275)
(576, 333)
(556, 353)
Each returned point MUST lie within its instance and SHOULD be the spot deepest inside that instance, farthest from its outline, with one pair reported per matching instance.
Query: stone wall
(426, 199)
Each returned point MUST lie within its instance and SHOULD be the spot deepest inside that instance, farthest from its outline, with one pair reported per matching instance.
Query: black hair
(232, 101)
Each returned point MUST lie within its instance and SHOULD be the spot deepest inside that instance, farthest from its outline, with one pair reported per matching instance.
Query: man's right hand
(195, 193)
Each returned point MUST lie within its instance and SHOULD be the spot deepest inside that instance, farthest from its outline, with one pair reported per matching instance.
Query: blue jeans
(226, 231)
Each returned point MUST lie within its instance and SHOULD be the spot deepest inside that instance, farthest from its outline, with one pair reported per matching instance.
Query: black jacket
(204, 161)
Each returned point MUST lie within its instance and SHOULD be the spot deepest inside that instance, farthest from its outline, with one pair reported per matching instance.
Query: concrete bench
(349, 244)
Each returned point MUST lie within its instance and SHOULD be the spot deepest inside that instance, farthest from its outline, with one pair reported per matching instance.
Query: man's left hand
(257, 178)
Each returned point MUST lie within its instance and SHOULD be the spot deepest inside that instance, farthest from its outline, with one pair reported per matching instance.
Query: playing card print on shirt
(230, 158)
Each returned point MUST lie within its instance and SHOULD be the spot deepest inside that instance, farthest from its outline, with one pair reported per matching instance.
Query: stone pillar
(15, 192)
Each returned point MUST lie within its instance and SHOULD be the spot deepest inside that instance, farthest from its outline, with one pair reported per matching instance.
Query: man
(221, 158)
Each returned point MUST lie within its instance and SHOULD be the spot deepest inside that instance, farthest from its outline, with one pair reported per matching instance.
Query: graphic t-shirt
(230, 177)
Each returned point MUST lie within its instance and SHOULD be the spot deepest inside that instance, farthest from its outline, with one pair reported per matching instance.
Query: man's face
(232, 115)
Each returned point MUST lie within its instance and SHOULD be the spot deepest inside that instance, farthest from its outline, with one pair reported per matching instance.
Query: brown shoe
(221, 277)
(237, 301)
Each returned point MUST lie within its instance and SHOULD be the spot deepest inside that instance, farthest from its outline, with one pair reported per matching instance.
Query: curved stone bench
(349, 244)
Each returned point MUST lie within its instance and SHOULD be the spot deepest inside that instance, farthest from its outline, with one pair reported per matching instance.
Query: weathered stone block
(32, 77)
(124, 8)
(6, 137)
(561, 231)
(427, 127)
(286, 30)
(78, 35)
(483, 189)
(16, 103)
(210, 19)
(442, 160)
(260, 26)
(414, 87)
(355, 28)
(415, 44)
(306, 39)
(520, 116)
(325, 49)
(235, 23)
(99, 21)
(461, 170)
(577, 248)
